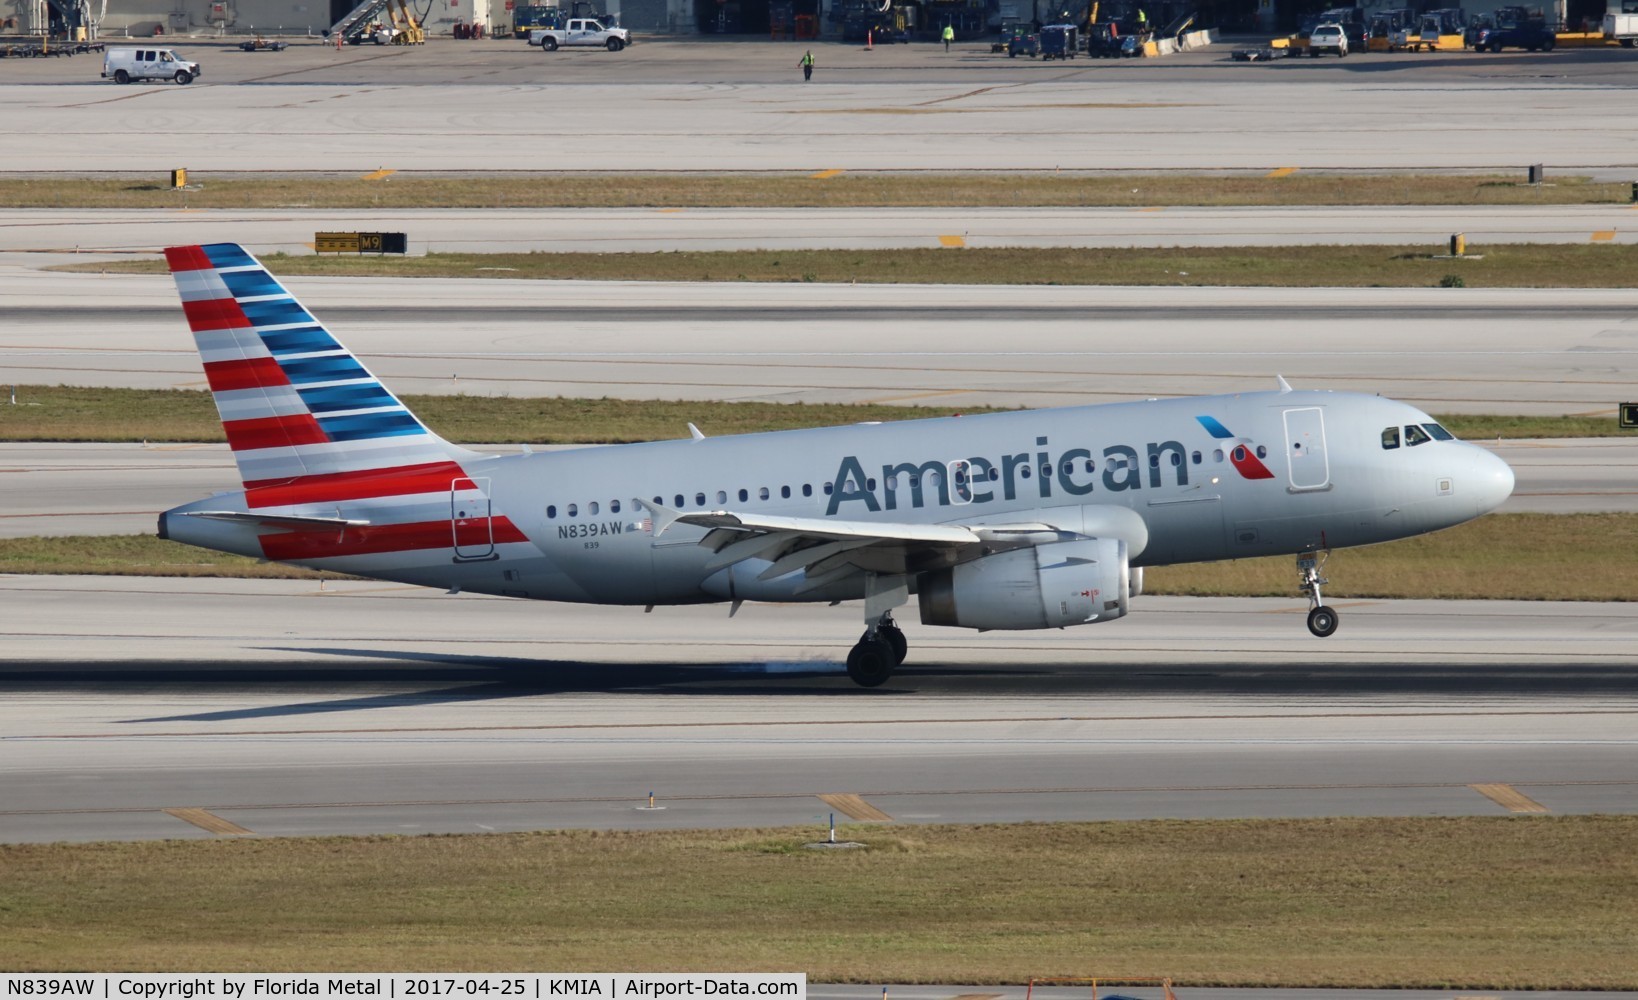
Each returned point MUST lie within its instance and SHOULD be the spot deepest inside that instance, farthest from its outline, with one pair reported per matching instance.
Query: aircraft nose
(1490, 480)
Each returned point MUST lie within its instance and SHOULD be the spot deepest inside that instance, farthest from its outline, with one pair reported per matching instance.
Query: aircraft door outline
(471, 526)
(959, 474)
(1308, 465)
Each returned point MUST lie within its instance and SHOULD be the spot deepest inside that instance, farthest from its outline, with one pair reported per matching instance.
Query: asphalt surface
(1540, 351)
(286, 709)
(686, 105)
(654, 230)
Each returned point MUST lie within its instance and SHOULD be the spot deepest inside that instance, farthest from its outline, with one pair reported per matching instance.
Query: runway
(49, 488)
(659, 230)
(685, 106)
(281, 708)
(1543, 351)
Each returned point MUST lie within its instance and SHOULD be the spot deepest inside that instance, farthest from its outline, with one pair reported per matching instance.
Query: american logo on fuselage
(1071, 473)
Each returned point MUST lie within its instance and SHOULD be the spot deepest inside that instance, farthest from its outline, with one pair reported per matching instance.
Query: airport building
(824, 19)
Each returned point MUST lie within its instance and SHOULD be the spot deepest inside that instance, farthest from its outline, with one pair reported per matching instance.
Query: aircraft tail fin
(297, 406)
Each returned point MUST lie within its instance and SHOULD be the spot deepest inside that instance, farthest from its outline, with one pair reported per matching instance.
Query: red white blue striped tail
(298, 408)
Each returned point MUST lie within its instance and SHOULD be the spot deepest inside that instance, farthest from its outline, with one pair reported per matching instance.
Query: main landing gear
(872, 659)
(1322, 621)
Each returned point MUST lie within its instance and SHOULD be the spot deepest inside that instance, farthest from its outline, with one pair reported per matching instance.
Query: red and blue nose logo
(1242, 455)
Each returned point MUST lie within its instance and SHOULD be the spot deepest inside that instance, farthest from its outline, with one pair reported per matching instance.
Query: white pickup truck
(580, 31)
(1621, 22)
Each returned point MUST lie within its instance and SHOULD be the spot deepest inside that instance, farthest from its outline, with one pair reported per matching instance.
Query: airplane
(1030, 519)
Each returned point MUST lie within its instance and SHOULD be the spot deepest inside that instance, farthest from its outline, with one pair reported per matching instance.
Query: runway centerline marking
(855, 807)
(204, 819)
(1510, 798)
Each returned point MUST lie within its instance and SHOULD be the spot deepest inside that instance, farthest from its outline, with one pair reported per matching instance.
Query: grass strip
(136, 555)
(1518, 265)
(1472, 903)
(963, 189)
(1572, 557)
(79, 413)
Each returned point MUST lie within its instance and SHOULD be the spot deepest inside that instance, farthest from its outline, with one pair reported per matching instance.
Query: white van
(125, 65)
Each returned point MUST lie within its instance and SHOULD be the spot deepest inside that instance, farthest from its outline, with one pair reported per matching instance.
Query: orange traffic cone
(870, 39)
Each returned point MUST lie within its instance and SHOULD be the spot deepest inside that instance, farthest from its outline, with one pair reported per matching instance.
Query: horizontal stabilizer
(276, 520)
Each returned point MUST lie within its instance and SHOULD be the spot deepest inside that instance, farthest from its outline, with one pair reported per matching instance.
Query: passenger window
(1439, 433)
(1177, 458)
(807, 489)
(785, 491)
(591, 509)
(658, 500)
(1262, 452)
(573, 510)
(722, 497)
(1154, 461)
(614, 506)
(1023, 472)
(744, 495)
(699, 499)
(762, 494)
(870, 484)
(1196, 457)
(1390, 438)
(679, 499)
(551, 510)
(1415, 435)
(1090, 466)
(829, 487)
(1217, 454)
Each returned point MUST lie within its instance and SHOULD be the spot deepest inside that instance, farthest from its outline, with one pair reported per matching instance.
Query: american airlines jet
(1028, 520)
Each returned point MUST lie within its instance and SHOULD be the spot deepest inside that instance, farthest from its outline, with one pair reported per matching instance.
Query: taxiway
(284, 708)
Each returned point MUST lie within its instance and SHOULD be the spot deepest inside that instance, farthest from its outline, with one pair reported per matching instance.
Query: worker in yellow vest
(949, 36)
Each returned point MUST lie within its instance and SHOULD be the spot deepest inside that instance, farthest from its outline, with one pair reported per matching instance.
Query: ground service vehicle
(527, 17)
(125, 65)
(1103, 40)
(1023, 42)
(260, 44)
(580, 32)
(1327, 38)
(1352, 22)
(1621, 22)
(1059, 41)
(1515, 28)
(1029, 519)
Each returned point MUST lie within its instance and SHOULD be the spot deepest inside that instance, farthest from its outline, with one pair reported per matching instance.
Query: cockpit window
(1390, 438)
(1415, 435)
(1439, 433)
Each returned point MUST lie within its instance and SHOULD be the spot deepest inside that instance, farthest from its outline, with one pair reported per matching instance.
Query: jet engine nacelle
(1045, 586)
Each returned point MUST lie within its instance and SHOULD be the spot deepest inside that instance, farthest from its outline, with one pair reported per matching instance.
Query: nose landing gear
(1322, 620)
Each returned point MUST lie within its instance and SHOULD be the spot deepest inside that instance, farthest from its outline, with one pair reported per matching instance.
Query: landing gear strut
(1322, 621)
(882, 647)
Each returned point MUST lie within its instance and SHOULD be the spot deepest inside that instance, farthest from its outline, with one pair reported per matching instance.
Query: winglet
(1284, 385)
(695, 433)
(664, 517)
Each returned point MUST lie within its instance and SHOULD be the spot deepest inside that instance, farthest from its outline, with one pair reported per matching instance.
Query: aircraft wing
(831, 550)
